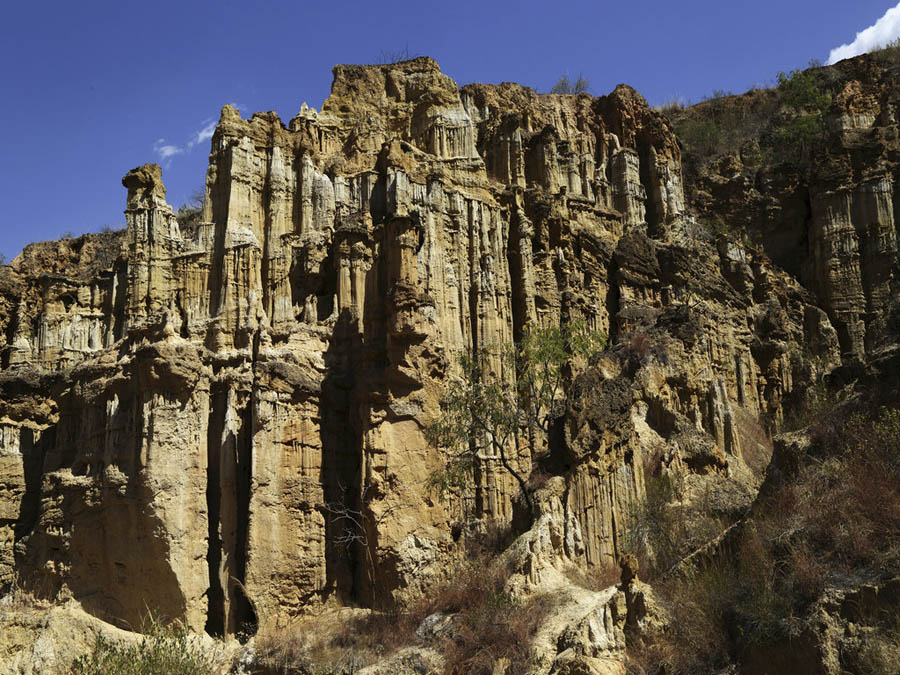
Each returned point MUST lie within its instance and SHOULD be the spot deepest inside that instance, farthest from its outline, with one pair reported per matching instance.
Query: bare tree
(386, 57)
(565, 86)
(352, 528)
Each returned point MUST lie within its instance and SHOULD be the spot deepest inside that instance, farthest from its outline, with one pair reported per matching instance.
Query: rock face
(831, 220)
(187, 418)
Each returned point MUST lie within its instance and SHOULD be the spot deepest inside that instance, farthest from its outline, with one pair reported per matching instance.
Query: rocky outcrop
(226, 423)
(827, 219)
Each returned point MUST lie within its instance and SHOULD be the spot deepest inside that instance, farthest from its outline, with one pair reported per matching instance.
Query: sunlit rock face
(188, 417)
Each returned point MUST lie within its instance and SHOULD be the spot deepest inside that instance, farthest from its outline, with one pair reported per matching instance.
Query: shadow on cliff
(342, 461)
(33, 452)
(88, 523)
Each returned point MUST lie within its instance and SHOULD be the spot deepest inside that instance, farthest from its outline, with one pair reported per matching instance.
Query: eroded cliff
(186, 415)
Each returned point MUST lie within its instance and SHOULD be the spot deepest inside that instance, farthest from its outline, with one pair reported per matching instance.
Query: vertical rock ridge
(236, 387)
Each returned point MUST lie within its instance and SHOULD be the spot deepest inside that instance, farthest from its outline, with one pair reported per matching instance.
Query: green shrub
(162, 651)
(702, 136)
(804, 90)
(786, 121)
(806, 95)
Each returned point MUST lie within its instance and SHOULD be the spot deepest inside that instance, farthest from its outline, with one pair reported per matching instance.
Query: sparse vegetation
(484, 624)
(889, 53)
(339, 642)
(595, 577)
(718, 93)
(666, 527)
(817, 401)
(834, 522)
(161, 651)
(190, 214)
(787, 119)
(565, 86)
(489, 623)
(672, 106)
(387, 57)
(482, 413)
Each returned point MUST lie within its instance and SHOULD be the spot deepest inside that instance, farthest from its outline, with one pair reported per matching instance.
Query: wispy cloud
(881, 32)
(165, 151)
(203, 134)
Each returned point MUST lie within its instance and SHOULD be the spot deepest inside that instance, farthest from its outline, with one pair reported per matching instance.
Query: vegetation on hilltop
(563, 85)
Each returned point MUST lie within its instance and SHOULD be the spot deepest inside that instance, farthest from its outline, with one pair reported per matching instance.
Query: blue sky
(93, 89)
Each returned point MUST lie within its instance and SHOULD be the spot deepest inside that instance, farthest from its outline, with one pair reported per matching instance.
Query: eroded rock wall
(828, 218)
(225, 423)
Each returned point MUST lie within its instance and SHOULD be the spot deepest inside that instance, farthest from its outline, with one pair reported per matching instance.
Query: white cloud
(884, 30)
(203, 134)
(166, 150)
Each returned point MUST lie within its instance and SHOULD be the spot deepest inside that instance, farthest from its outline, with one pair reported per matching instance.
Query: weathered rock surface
(829, 221)
(187, 418)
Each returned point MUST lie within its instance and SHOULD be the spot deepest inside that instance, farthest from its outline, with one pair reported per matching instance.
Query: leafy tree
(565, 86)
(482, 416)
(190, 214)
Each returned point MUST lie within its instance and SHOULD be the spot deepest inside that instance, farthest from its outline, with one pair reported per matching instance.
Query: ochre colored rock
(225, 424)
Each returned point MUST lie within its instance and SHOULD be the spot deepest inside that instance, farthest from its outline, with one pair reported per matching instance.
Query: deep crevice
(342, 456)
(613, 300)
(33, 452)
(215, 619)
(654, 227)
(517, 278)
(246, 619)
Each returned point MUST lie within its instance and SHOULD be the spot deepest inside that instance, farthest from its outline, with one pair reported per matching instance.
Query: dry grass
(844, 506)
(342, 641)
(488, 625)
(836, 523)
(666, 527)
(640, 345)
(880, 650)
(756, 444)
(595, 577)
